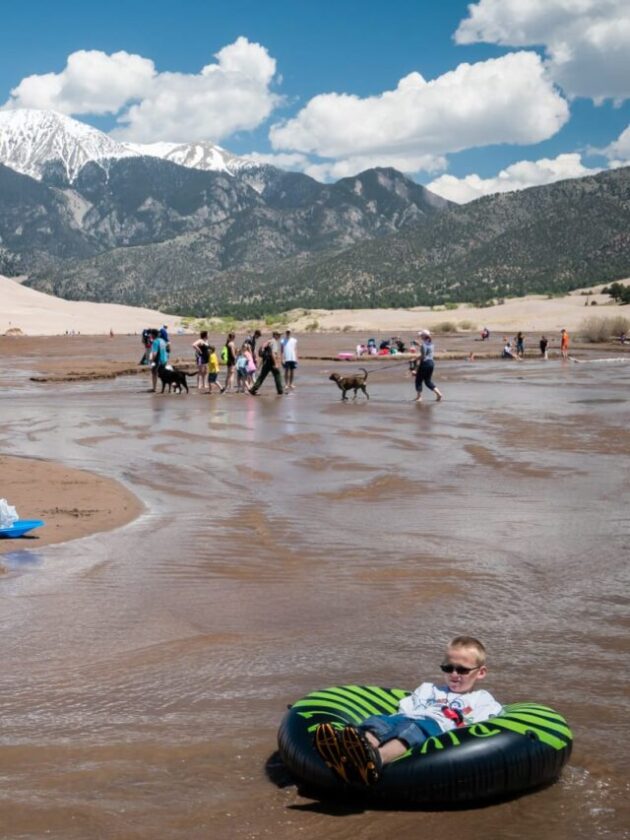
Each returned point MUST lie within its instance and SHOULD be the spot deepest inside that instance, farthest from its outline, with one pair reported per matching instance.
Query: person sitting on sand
(359, 753)
(508, 352)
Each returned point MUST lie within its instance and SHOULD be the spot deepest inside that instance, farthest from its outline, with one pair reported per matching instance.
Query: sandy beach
(73, 503)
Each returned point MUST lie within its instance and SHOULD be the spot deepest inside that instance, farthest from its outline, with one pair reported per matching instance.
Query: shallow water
(294, 543)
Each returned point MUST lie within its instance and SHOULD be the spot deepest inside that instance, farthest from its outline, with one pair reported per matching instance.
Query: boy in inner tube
(359, 753)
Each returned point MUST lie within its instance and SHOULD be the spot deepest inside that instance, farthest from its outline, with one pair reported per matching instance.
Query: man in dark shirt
(271, 361)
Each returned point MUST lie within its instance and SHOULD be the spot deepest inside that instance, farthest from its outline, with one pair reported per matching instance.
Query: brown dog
(354, 383)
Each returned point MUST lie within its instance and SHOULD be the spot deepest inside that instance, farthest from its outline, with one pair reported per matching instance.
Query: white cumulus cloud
(518, 176)
(92, 82)
(231, 94)
(345, 167)
(587, 42)
(502, 100)
(619, 150)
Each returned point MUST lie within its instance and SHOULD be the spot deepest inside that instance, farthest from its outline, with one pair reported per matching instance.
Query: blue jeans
(424, 374)
(413, 731)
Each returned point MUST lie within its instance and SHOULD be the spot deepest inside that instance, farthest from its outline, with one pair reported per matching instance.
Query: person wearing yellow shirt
(213, 371)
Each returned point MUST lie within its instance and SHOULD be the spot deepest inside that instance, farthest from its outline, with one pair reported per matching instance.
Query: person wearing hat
(271, 361)
(424, 370)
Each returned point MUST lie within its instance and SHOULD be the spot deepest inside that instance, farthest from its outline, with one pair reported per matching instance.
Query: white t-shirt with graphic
(428, 700)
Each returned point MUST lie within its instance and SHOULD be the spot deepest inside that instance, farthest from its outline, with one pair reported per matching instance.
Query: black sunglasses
(459, 669)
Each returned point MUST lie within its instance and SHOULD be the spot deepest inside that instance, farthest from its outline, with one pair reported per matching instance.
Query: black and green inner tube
(523, 748)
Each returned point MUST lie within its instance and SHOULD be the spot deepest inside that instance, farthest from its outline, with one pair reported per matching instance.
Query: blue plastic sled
(21, 527)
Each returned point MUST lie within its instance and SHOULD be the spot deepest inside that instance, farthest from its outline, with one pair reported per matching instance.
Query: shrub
(445, 327)
(596, 330)
(312, 327)
(347, 328)
(466, 325)
(450, 306)
(619, 325)
(618, 292)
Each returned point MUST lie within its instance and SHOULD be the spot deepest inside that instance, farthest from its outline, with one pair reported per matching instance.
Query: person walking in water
(564, 344)
(202, 357)
(271, 363)
(289, 359)
(424, 370)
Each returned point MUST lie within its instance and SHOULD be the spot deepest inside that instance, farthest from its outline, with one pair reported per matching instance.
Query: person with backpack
(271, 356)
(147, 341)
(202, 357)
(252, 340)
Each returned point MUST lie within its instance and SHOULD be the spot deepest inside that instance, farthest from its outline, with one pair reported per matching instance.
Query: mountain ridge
(547, 239)
(147, 229)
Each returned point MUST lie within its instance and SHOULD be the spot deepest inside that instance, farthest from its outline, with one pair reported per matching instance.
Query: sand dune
(35, 313)
(534, 313)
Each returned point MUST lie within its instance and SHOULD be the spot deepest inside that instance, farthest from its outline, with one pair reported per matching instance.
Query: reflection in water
(21, 558)
(298, 542)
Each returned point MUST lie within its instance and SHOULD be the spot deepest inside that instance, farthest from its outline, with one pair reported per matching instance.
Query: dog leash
(395, 364)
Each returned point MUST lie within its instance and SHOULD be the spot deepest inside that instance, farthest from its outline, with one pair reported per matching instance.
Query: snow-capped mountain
(38, 143)
(32, 141)
(201, 155)
(210, 158)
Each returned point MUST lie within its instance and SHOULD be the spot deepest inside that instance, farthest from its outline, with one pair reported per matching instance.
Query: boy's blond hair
(470, 642)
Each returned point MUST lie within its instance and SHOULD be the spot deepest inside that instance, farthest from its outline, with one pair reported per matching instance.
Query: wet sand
(72, 503)
(297, 542)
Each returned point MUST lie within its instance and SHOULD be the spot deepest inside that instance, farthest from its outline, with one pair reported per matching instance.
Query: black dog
(174, 378)
(349, 383)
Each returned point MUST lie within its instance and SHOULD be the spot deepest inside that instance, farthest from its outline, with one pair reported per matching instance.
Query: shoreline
(74, 503)
(46, 361)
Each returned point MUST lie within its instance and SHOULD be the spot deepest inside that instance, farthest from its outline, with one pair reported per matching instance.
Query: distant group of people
(248, 365)
(385, 347)
(516, 350)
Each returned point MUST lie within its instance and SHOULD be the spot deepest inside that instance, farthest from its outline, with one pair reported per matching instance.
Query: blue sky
(466, 98)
